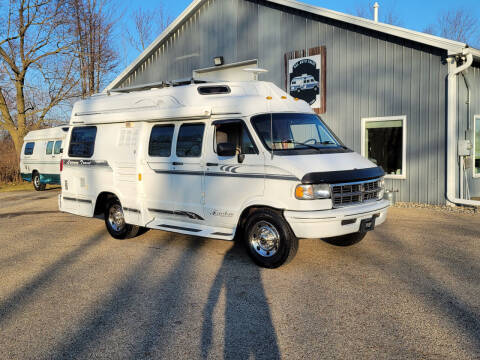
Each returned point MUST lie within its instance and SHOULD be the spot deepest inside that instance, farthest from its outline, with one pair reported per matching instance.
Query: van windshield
(295, 133)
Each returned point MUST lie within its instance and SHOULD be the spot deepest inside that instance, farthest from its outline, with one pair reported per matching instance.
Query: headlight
(381, 185)
(310, 192)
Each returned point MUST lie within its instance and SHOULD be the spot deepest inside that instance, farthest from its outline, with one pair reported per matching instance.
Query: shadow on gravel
(26, 293)
(148, 311)
(249, 331)
(23, 213)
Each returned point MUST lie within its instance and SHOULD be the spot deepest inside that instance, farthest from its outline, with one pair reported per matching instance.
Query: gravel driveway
(411, 289)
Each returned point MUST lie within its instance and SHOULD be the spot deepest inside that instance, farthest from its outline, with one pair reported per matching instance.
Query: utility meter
(464, 147)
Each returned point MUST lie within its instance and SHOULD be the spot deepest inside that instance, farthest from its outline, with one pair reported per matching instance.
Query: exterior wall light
(218, 60)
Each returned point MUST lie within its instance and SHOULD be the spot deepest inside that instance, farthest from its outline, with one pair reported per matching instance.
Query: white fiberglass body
(158, 153)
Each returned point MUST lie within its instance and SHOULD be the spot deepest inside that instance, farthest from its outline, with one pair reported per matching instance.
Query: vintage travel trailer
(218, 160)
(40, 157)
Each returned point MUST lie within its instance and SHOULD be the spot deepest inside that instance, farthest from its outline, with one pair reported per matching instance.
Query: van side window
(161, 140)
(29, 148)
(235, 133)
(82, 141)
(58, 146)
(49, 148)
(189, 141)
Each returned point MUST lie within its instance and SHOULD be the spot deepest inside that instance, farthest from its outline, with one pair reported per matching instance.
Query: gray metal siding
(368, 75)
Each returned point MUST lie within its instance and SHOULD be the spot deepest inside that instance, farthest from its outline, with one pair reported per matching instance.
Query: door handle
(177, 163)
(212, 164)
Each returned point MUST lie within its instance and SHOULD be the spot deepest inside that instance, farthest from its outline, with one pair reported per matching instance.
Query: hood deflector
(344, 176)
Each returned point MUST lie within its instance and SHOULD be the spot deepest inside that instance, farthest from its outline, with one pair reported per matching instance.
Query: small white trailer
(40, 156)
(218, 160)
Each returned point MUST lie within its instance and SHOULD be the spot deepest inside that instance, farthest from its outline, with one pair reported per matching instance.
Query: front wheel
(36, 182)
(115, 222)
(269, 240)
(346, 240)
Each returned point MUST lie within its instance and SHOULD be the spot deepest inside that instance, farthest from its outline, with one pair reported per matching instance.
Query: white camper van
(40, 157)
(216, 160)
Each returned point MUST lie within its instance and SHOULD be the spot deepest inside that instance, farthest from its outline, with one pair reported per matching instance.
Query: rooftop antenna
(375, 11)
(255, 72)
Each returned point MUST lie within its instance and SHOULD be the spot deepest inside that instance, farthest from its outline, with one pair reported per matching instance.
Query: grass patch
(24, 185)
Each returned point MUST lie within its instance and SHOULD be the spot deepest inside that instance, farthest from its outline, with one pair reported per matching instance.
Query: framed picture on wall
(305, 73)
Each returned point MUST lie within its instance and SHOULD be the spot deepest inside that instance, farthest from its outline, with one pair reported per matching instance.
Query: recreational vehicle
(218, 160)
(40, 156)
(304, 82)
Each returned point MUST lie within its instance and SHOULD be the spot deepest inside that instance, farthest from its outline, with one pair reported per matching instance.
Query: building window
(29, 148)
(161, 140)
(82, 141)
(384, 143)
(476, 147)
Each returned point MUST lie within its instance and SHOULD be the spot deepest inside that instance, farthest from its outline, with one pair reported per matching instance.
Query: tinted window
(29, 148)
(82, 141)
(161, 140)
(189, 142)
(58, 146)
(49, 148)
(235, 133)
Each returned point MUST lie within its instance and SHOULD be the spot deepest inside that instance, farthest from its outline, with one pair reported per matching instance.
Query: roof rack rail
(158, 85)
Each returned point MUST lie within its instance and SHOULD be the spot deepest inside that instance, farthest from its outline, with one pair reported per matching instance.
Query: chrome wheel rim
(115, 218)
(36, 180)
(265, 239)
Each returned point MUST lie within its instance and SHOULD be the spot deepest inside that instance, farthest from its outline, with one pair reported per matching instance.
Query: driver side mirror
(226, 149)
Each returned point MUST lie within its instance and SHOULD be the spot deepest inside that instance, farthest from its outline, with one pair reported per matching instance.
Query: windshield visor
(291, 133)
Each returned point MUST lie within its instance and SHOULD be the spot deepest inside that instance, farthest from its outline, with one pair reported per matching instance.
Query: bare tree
(93, 23)
(389, 16)
(459, 25)
(147, 25)
(36, 68)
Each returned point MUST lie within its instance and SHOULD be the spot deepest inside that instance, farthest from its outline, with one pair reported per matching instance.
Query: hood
(300, 165)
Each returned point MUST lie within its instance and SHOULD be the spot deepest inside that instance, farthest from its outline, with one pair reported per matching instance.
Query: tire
(115, 222)
(346, 240)
(274, 253)
(36, 182)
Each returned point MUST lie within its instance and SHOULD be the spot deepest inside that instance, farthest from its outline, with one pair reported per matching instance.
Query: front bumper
(328, 223)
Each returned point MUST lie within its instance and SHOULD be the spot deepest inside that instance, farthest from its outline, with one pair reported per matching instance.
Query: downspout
(452, 94)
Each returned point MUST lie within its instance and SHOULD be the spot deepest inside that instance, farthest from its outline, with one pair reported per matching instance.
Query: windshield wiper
(300, 143)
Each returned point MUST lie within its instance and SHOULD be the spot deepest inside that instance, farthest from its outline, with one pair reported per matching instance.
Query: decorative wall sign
(305, 76)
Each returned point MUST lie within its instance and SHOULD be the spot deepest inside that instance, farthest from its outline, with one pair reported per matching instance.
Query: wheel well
(35, 172)
(102, 200)
(250, 210)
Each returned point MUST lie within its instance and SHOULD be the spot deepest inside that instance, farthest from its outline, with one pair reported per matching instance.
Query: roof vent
(213, 90)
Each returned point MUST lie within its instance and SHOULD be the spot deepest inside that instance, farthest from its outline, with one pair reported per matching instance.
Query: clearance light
(284, 97)
(61, 165)
(296, 99)
(139, 177)
(269, 98)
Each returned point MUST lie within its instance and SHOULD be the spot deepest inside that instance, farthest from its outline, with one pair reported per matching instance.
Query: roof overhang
(452, 47)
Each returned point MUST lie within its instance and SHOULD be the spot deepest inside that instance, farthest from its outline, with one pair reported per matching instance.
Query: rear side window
(49, 148)
(58, 146)
(29, 148)
(189, 142)
(82, 141)
(161, 140)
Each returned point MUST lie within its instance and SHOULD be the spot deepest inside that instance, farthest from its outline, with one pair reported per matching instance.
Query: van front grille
(355, 193)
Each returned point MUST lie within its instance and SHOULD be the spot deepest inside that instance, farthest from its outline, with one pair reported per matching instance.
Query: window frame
(402, 118)
(172, 143)
(46, 147)
(178, 135)
(232, 121)
(25, 148)
(475, 117)
(70, 142)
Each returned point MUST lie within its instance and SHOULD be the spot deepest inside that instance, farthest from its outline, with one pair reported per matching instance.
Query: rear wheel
(115, 221)
(269, 240)
(36, 182)
(346, 240)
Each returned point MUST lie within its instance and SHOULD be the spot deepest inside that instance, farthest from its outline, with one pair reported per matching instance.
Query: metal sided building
(407, 100)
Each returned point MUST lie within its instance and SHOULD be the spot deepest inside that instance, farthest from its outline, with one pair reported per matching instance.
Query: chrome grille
(354, 193)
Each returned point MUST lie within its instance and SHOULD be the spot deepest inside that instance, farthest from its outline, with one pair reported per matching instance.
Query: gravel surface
(409, 290)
